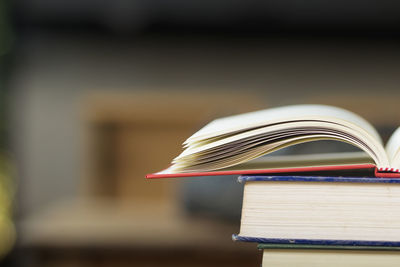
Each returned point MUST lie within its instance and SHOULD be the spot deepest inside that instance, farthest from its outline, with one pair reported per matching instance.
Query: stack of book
(318, 210)
(322, 221)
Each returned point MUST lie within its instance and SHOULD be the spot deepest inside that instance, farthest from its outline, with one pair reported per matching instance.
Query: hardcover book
(235, 145)
(281, 255)
(344, 211)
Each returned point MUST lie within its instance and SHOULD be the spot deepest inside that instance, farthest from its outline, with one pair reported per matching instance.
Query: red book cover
(353, 170)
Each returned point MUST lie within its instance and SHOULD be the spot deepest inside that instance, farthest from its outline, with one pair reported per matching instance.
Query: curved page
(237, 123)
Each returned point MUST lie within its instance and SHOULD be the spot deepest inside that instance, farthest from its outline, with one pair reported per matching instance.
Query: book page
(241, 148)
(275, 115)
(393, 149)
(233, 140)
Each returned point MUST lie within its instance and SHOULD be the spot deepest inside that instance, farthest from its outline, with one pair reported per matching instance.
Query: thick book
(313, 255)
(235, 145)
(307, 210)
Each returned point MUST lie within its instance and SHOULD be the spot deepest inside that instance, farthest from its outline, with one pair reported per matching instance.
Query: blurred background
(95, 94)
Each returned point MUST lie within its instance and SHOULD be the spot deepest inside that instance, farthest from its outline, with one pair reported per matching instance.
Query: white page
(274, 115)
(393, 149)
(380, 158)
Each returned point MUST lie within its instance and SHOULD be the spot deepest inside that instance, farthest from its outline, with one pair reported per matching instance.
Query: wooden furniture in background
(131, 135)
(122, 219)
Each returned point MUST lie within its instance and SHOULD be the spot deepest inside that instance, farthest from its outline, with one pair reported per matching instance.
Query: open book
(231, 145)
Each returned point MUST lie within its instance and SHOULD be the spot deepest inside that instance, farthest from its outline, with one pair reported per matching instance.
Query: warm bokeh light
(7, 188)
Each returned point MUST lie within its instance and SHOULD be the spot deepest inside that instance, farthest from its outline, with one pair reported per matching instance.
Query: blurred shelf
(97, 223)
(98, 233)
(127, 136)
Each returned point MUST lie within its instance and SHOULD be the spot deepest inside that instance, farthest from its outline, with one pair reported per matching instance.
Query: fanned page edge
(284, 113)
(276, 171)
(356, 125)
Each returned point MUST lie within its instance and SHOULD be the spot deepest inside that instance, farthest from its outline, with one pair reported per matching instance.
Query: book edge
(331, 179)
(331, 242)
(274, 171)
(272, 246)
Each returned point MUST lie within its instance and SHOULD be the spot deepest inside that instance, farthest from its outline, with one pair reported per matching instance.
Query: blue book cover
(324, 242)
(327, 179)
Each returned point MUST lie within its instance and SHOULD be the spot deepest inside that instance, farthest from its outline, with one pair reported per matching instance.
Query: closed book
(320, 210)
(285, 255)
